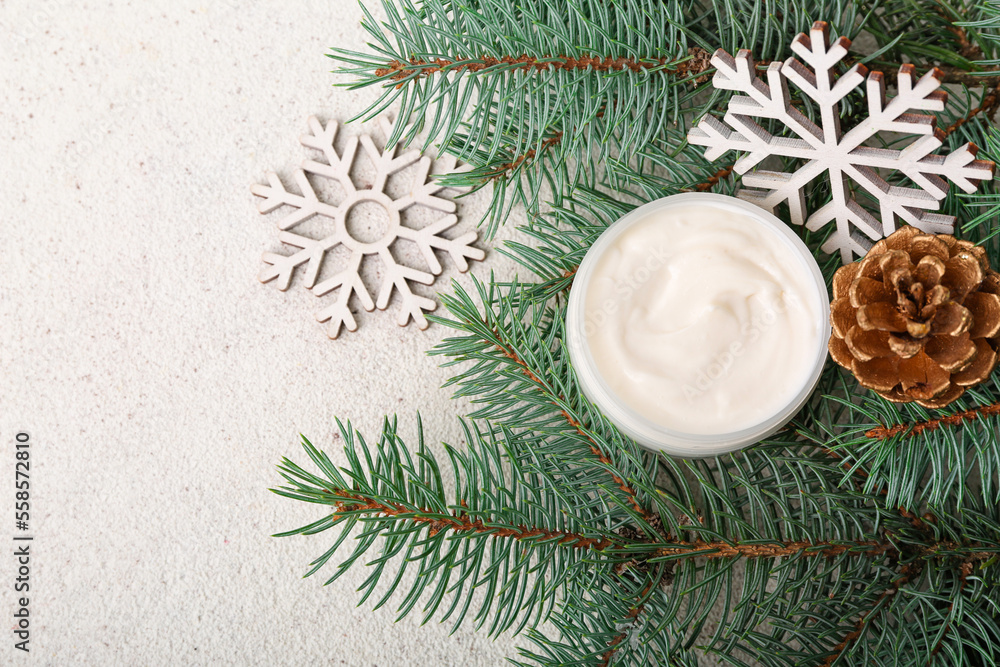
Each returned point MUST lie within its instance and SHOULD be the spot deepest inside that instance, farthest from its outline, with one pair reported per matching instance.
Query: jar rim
(639, 427)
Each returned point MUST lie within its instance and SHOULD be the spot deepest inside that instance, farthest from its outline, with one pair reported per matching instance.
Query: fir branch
(915, 429)
(477, 71)
(519, 73)
(348, 504)
(401, 499)
(874, 434)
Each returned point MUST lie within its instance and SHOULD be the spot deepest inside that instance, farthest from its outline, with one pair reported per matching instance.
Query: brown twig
(698, 64)
(399, 70)
(989, 105)
(988, 77)
(556, 137)
(711, 550)
(847, 467)
(911, 430)
(502, 169)
(465, 524)
(714, 179)
(460, 523)
(966, 49)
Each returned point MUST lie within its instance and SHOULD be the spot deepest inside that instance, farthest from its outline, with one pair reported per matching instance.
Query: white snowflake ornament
(826, 149)
(337, 168)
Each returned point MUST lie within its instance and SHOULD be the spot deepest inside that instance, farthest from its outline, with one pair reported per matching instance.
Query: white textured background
(159, 381)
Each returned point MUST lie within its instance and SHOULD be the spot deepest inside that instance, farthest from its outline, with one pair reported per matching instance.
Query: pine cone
(918, 319)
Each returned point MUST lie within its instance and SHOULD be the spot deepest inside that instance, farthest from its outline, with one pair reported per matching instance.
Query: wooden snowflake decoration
(844, 157)
(312, 252)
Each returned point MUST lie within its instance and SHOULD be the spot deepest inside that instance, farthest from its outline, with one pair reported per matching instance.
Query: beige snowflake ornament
(425, 191)
(824, 148)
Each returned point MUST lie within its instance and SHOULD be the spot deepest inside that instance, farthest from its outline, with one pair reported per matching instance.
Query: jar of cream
(698, 324)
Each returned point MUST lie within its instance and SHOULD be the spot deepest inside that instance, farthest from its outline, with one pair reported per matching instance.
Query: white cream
(703, 319)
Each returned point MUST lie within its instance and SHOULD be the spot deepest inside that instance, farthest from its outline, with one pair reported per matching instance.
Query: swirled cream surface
(703, 319)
